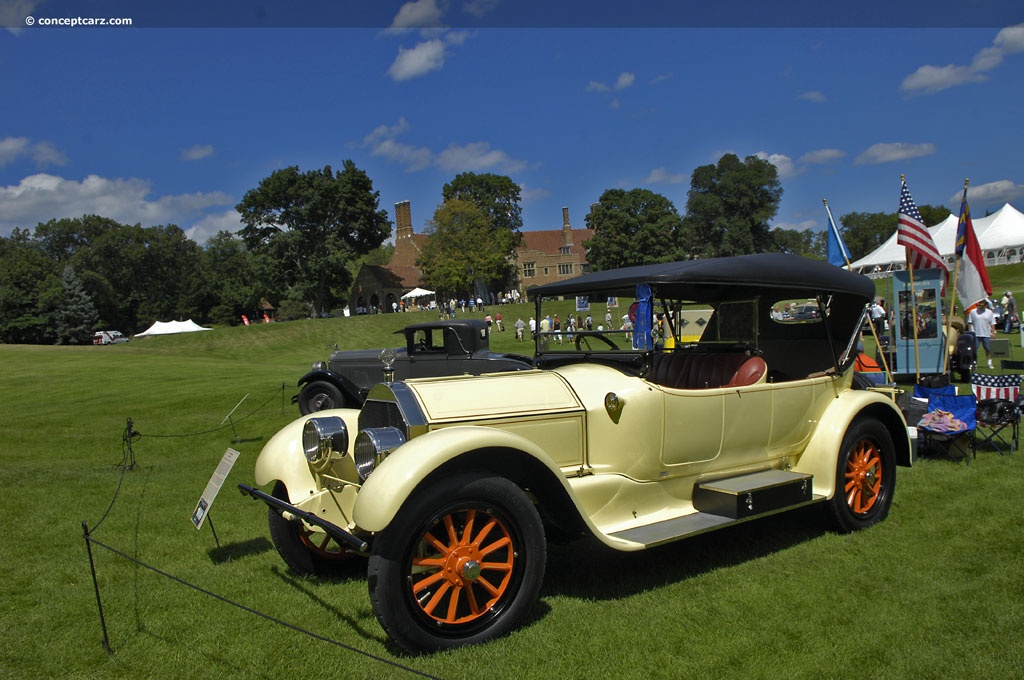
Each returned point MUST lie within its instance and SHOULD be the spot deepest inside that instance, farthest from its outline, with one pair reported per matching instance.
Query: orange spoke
(428, 581)
(453, 605)
(475, 608)
(434, 601)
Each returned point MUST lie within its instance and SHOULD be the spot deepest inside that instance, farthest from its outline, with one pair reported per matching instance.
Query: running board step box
(754, 494)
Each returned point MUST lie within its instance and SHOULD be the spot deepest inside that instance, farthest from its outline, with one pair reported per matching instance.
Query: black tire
(319, 395)
(307, 553)
(865, 477)
(431, 590)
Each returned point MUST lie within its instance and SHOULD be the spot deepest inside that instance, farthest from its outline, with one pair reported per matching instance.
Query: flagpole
(952, 303)
(913, 305)
(871, 321)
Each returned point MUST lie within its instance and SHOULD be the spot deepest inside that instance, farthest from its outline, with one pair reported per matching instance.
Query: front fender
(822, 453)
(349, 389)
(282, 457)
(403, 471)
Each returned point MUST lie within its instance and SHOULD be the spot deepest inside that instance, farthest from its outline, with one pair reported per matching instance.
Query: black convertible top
(720, 279)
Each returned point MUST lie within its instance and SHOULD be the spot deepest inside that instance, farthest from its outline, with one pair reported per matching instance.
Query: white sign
(227, 461)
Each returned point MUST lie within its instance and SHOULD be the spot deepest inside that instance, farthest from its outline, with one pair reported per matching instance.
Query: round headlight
(373, 445)
(322, 435)
(319, 365)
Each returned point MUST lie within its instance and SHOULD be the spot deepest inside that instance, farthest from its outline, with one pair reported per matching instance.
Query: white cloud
(822, 156)
(13, 13)
(196, 152)
(42, 197)
(476, 156)
(891, 152)
(418, 14)
(624, 81)
(41, 153)
(663, 176)
(480, 8)
(209, 226)
(813, 96)
(783, 163)
(417, 61)
(929, 79)
(991, 194)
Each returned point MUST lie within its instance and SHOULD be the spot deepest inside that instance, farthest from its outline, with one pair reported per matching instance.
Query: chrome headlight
(319, 365)
(320, 436)
(373, 445)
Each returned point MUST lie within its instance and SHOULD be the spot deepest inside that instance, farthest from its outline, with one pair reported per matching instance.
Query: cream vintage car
(706, 406)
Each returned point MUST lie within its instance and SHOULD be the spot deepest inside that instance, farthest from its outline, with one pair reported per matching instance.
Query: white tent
(417, 293)
(1000, 234)
(171, 327)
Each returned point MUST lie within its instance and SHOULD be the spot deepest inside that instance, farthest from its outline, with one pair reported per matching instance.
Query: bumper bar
(333, 530)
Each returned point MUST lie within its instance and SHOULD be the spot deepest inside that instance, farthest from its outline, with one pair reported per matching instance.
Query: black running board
(732, 500)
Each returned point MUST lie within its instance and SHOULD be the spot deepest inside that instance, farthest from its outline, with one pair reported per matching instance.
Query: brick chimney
(403, 221)
(566, 227)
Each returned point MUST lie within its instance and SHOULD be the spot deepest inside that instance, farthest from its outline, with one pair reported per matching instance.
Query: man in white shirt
(981, 321)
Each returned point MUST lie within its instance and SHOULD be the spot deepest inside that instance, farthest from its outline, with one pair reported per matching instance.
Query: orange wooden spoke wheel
(863, 477)
(461, 563)
(463, 567)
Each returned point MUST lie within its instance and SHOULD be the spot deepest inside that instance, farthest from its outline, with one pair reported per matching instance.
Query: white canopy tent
(417, 293)
(1000, 234)
(171, 327)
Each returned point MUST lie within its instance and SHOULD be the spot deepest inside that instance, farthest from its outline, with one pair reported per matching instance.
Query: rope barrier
(127, 464)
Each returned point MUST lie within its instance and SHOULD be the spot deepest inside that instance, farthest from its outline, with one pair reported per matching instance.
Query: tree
(312, 224)
(632, 227)
(76, 317)
(460, 250)
(729, 207)
(27, 279)
(498, 196)
(805, 243)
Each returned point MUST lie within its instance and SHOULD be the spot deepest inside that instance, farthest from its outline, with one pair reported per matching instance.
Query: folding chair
(997, 414)
(948, 427)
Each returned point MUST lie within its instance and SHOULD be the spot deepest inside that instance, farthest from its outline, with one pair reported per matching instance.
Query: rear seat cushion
(690, 370)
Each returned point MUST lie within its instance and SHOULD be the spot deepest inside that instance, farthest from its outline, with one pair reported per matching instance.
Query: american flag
(995, 386)
(921, 250)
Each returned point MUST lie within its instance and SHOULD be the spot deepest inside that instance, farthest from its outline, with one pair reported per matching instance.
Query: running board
(731, 500)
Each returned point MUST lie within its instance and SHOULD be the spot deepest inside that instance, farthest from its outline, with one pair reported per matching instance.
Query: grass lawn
(937, 590)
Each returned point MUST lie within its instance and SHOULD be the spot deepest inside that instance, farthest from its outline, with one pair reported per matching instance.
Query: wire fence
(128, 463)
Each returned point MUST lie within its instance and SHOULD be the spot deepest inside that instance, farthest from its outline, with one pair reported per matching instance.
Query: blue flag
(838, 253)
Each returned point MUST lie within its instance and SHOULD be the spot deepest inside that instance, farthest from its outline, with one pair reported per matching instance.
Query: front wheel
(865, 477)
(305, 551)
(460, 563)
(319, 395)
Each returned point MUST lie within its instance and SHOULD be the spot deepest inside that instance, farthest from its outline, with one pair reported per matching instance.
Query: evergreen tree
(76, 316)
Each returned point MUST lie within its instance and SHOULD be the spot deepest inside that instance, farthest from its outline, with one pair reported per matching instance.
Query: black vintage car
(433, 348)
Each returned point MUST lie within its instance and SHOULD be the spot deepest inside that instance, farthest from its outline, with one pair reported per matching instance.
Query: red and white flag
(972, 284)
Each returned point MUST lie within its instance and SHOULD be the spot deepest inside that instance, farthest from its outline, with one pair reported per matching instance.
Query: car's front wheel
(865, 477)
(319, 395)
(305, 551)
(460, 563)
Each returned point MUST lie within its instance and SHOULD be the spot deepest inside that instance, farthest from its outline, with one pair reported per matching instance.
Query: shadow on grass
(588, 569)
(231, 551)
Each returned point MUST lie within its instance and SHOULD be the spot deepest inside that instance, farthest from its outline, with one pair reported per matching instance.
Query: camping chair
(997, 415)
(948, 427)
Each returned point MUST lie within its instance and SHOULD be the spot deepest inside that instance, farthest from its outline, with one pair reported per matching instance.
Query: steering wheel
(583, 341)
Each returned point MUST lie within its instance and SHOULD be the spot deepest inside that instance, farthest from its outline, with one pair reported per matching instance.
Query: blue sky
(173, 119)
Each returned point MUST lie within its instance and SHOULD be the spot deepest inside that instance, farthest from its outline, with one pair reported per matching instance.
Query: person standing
(981, 321)
(520, 327)
(1009, 312)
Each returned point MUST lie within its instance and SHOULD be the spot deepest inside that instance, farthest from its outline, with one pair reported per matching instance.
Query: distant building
(544, 256)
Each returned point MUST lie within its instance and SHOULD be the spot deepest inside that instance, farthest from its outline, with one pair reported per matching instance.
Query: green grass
(937, 590)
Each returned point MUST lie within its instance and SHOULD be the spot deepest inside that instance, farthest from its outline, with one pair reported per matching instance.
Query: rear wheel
(460, 563)
(865, 477)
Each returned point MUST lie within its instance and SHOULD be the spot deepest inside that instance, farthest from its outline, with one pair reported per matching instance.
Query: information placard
(227, 461)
